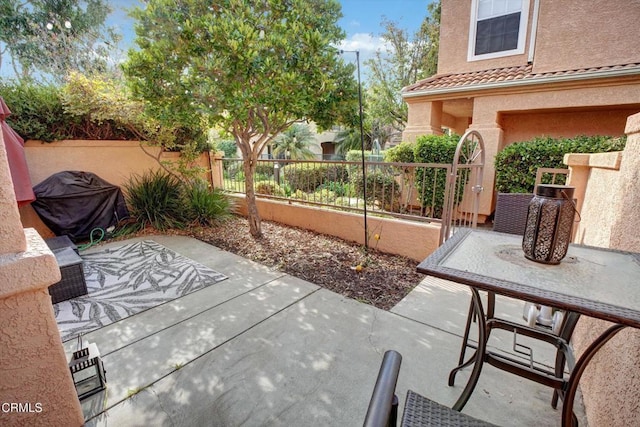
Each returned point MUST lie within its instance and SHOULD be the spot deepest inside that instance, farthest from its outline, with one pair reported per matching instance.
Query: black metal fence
(416, 191)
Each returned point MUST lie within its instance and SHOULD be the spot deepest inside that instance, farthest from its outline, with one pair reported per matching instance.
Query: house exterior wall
(454, 41)
(571, 34)
(33, 367)
(595, 33)
(562, 109)
(608, 190)
(591, 49)
(562, 124)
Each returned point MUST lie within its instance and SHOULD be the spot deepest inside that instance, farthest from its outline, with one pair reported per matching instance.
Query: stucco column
(217, 169)
(423, 118)
(13, 239)
(628, 191)
(36, 387)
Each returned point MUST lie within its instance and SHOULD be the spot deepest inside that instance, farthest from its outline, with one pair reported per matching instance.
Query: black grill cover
(74, 203)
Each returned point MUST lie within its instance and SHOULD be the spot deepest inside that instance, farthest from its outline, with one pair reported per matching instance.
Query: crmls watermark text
(27, 407)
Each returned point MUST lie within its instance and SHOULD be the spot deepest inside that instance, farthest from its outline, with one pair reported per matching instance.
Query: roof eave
(523, 82)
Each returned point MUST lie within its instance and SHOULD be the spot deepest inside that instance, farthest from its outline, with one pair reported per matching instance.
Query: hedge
(433, 181)
(309, 176)
(381, 187)
(37, 112)
(517, 164)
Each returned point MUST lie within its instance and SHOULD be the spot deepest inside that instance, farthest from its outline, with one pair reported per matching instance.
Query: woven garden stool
(73, 283)
(418, 410)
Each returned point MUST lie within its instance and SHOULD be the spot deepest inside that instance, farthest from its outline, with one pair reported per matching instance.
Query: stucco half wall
(113, 161)
(413, 240)
(608, 190)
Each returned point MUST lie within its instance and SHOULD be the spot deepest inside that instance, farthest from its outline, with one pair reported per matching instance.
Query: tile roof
(509, 75)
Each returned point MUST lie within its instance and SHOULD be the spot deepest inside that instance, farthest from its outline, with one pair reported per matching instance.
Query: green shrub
(401, 153)
(229, 147)
(269, 188)
(300, 195)
(233, 169)
(37, 112)
(431, 182)
(155, 199)
(309, 176)
(356, 155)
(205, 205)
(323, 195)
(264, 169)
(346, 202)
(381, 187)
(94, 108)
(517, 164)
(341, 189)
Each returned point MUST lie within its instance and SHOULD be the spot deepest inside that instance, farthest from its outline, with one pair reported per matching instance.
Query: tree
(348, 139)
(294, 143)
(404, 61)
(48, 38)
(251, 67)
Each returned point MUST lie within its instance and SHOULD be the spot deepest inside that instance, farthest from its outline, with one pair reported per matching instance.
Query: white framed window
(498, 28)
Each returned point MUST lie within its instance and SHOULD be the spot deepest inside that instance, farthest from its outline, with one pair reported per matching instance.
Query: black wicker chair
(418, 410)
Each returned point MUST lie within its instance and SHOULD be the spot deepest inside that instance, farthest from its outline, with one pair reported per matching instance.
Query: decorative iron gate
(464, 185)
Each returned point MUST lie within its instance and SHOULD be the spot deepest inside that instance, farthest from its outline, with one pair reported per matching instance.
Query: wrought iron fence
(432, 192)
(416, 191)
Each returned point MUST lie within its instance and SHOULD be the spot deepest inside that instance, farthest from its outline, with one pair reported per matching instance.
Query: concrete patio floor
(263, 348)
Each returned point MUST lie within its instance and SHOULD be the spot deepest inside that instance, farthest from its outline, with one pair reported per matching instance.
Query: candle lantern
(88, 371)
(549, 224)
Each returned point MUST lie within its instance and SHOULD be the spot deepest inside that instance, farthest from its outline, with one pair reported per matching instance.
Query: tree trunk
(255, 224)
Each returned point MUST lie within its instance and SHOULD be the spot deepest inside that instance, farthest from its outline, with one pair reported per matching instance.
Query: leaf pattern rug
(129, 279)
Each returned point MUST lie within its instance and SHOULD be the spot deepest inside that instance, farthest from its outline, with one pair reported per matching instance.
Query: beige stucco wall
(572, 34)
(595, 33)
(563, 124)
(113, 161)
(410, 239)
(609, 186)
(36, 387)
(594, 175)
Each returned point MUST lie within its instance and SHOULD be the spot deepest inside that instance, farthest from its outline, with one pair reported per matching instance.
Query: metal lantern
(549, 224)
(88, 371)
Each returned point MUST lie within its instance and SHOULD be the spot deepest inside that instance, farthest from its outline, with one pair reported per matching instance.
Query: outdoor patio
(266, 348)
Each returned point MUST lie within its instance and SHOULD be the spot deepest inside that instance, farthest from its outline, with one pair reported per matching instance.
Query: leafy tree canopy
(404, 61)
(45, 39)
(251, 67)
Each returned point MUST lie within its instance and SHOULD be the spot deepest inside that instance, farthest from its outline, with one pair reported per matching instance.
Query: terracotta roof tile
(502, 75)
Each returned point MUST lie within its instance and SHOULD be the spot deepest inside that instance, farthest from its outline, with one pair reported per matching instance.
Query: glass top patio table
(596, 282)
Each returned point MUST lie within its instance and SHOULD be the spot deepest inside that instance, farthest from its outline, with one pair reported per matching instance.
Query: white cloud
(367, 45)
(362, 42)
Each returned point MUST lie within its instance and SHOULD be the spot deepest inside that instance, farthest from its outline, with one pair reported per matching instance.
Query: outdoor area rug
(129, 279)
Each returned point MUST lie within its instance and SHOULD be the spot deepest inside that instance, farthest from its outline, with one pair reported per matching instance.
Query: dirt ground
(374, 278)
